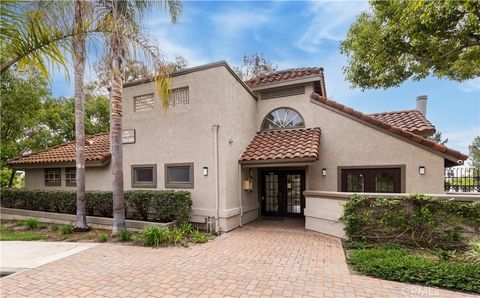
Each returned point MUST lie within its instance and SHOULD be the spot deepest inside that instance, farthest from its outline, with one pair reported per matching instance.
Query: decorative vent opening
(283, 92)
(179, 97)
(143, 102)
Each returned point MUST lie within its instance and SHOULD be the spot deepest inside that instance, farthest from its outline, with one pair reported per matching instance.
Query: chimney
(422, 104)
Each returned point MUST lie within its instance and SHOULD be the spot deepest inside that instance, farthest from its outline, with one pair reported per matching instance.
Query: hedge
(401, 265)
(416, 220)
(156, 205)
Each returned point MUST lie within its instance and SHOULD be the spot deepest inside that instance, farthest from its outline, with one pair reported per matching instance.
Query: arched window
(282, 118)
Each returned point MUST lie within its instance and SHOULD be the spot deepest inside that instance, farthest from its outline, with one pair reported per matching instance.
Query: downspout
(217, 189)
(240, 192)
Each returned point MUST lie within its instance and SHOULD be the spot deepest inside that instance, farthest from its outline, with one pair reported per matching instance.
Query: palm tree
(79, 44)
(125, 37)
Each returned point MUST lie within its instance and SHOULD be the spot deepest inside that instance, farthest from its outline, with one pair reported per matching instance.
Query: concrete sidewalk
(18, 255)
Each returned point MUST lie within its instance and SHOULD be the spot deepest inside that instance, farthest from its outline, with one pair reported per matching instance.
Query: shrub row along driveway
(262, 258)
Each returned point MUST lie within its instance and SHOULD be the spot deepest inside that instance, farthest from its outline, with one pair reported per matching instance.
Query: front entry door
(282, 193)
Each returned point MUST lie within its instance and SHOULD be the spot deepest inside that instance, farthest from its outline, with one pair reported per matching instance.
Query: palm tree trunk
(79, 51)
(117, 48)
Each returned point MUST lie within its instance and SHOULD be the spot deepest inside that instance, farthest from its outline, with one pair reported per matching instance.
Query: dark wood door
(282, 193)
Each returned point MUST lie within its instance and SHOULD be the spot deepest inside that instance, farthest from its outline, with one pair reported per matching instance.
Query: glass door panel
(294, 194)
(271, 193)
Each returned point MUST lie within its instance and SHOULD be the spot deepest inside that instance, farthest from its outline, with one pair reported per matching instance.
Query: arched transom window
(282, 118)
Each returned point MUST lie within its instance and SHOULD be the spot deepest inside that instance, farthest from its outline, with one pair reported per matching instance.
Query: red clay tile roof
(284, 75)
(97, 149)
(409, 120)
(284, 145)
(391, 128)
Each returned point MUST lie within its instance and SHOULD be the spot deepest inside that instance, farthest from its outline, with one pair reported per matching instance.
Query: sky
(302, 34)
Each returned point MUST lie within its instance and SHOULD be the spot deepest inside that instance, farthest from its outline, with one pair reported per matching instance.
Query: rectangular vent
(283, 92)
(179, 97)
(144, 102)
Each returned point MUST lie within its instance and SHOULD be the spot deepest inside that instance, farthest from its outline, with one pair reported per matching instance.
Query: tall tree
(79, 43)
(474, 149)
(124, 18)
(399, 40)
(438, 138)
(254, 65)
(21, 101)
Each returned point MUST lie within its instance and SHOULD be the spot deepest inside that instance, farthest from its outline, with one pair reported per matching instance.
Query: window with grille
(143, 102)
(179, 97)
(71, 177)
(52, 177)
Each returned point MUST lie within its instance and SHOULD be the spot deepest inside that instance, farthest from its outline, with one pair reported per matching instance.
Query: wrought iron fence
(462, 179)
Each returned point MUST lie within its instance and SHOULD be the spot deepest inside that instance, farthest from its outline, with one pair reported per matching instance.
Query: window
(71, 177)
(179, 97)
(52, 177)
(144, 102)
(282, 118)
(179, 175)
(144, 176)
(384, 180)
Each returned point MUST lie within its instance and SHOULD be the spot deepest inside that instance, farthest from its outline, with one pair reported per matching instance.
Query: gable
(453, 156)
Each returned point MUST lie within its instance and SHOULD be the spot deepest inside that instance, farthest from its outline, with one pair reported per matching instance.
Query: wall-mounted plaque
(128, 136)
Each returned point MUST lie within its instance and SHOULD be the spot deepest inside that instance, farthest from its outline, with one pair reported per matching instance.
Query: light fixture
(205, 171)
(250, 173)
(324, 172)
(421, 170)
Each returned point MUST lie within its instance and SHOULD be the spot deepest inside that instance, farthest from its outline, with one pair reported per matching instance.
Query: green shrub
(125, 235)
(103, 238)
(31, 223)
(400, 265)
(417, 220)
(473, 253)
(155, 205)
(199, 237)
(53, 228)
(153, 236)
(186, 229)
(176, 236)
(66, 230)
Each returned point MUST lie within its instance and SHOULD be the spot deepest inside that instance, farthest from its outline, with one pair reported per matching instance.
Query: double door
(282, 193)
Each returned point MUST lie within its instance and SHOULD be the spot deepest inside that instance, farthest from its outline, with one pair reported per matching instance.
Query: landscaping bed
(31, 229)
(418, 239)
(453, 270)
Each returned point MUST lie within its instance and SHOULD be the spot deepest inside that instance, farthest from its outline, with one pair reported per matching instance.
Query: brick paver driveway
(265, 258)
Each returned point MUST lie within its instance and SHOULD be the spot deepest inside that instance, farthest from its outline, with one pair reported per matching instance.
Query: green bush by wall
(401, 265)
(156, 205)
(416, 220)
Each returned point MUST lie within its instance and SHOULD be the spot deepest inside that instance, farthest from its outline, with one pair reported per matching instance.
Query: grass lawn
(394, 262)
(10, 234)
(33, 230)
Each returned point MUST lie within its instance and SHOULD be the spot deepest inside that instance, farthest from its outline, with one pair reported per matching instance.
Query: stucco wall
(96, 178)
(345, 142)
(185, 134)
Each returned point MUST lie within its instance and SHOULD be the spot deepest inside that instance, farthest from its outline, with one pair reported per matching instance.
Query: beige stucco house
(247, 149)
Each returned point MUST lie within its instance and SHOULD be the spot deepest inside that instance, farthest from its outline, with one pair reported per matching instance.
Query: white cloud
(170, 48)
(329, 21)
(459, 138)
(231, 23)
(472, 85)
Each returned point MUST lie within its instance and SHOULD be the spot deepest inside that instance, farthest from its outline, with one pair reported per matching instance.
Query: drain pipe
(217, 189)
(240, 192)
